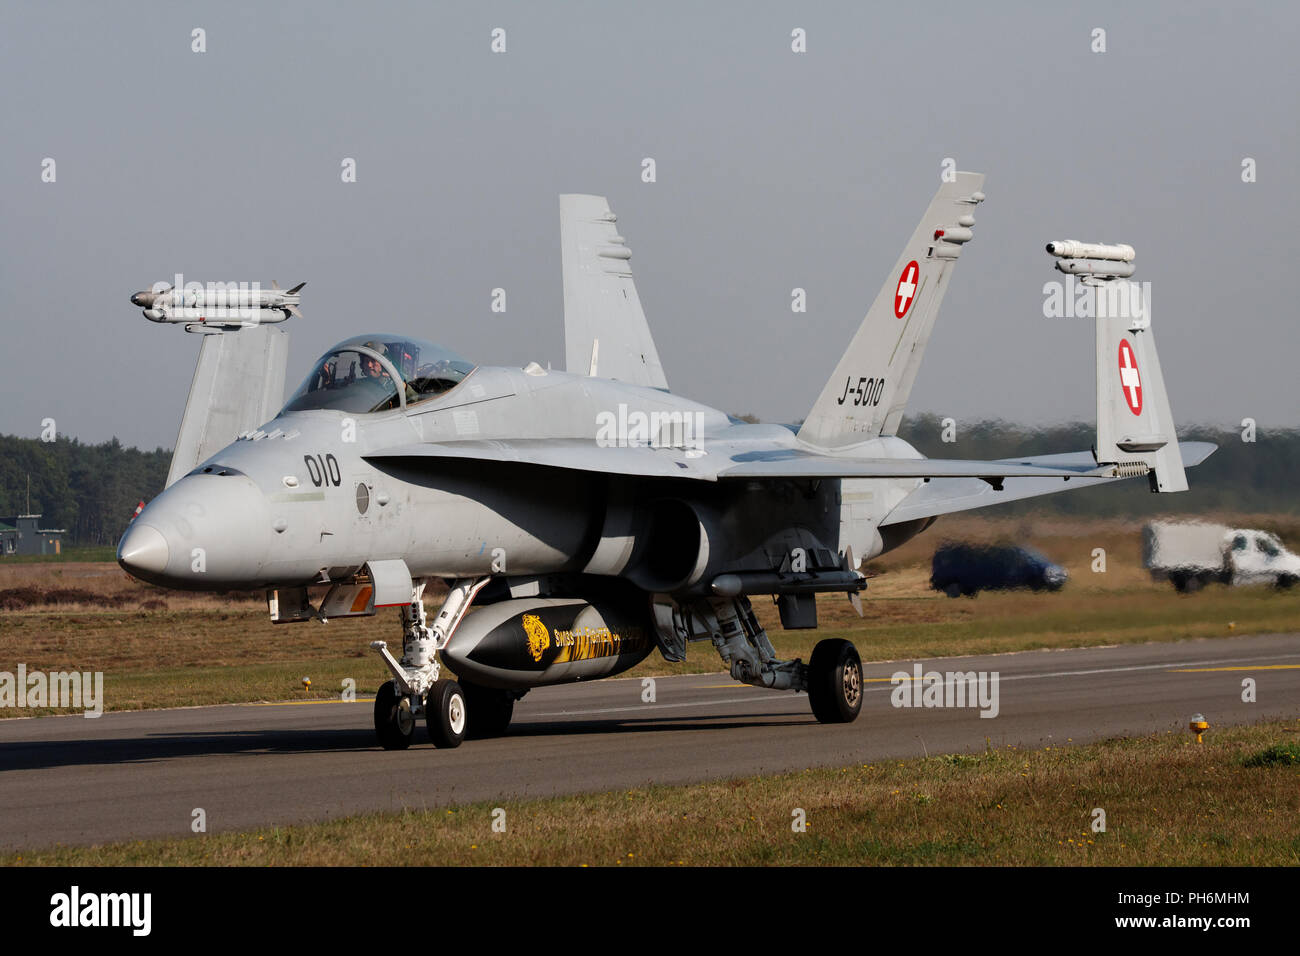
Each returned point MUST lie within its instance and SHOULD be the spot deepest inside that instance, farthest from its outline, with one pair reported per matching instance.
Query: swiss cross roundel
(905, 293)
(1130, 381)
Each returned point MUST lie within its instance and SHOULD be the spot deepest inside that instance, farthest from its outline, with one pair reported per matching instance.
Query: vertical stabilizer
(238, 385)
(868, 391)
(1135, 424)
(605, 330)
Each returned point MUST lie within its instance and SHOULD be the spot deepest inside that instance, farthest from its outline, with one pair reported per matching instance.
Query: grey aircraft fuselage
(299, 502)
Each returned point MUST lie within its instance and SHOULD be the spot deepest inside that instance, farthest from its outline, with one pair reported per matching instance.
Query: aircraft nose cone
(143, 549)
(204, 532)
(142, 299)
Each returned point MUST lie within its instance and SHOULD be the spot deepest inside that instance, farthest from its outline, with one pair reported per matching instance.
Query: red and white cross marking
(1129, 379)
(905, 293)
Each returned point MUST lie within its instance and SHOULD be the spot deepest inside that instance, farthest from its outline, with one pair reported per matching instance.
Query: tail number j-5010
(867, 391)
(323, 470)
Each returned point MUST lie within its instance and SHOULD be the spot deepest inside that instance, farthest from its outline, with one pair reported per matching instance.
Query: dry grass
(1167, 801)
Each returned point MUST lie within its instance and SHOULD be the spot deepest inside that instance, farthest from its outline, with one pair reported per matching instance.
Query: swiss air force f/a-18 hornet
(592, 515)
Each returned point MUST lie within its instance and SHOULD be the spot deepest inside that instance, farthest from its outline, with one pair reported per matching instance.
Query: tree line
(89, 490)
(1241, 476)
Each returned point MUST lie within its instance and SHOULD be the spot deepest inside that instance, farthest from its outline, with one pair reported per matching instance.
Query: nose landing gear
(416, 689)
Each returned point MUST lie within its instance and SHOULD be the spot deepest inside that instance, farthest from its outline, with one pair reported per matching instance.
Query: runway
(135, 775)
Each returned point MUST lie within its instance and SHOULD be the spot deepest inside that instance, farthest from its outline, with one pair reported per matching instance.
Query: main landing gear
(835, 682)
(832, 678)
(416, 689)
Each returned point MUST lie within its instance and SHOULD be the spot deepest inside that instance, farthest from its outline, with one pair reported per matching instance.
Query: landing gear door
(348, 600)
(392, 583)
(672, 630)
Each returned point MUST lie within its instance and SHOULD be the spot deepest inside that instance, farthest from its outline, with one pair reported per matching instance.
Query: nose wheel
(444, 711)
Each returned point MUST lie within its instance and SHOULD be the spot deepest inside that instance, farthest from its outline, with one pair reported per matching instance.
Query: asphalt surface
(133, 775)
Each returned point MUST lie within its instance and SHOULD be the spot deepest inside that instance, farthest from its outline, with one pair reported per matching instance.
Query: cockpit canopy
(376, 373)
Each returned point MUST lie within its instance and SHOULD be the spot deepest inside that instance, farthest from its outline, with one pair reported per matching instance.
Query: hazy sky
(774, 170)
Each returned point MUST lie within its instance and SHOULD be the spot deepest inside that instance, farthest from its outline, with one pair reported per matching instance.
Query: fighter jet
(592, 516)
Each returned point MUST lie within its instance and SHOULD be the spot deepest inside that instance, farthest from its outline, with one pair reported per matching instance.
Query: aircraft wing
(573, 454)
(719, 464)
(947, 495)
(605, 330)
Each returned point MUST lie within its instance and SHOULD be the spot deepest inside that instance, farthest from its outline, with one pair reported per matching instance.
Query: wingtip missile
(227, 304)
(1074, 249)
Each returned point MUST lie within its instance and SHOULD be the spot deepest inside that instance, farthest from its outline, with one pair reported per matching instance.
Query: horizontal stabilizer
(947, 495)
(825, 466)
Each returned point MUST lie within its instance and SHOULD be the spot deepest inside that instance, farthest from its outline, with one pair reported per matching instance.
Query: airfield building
(22, 534)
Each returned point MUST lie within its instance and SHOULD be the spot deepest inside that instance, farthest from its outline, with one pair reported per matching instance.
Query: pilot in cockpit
(372, 375)
(371, 367)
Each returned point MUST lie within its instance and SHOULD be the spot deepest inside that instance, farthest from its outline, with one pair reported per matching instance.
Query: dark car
(967, 569)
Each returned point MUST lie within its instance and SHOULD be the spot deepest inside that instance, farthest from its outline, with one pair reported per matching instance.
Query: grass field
(67, 554)
(1231, 801)
(162, 649)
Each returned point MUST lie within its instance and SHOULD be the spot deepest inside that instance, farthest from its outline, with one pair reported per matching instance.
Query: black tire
(394, 726)
(953, 590)
(445, 711)
(835, 682)
(488, 711)
(1194, 583)
(1286, 581)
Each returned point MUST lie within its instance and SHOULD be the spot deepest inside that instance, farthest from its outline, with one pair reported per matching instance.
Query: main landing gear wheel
(445, 711)
(489, 711)
(835, 682)
(394, 724)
